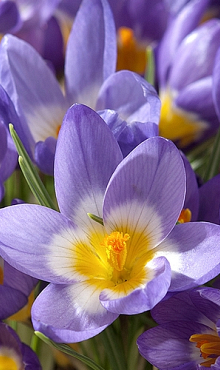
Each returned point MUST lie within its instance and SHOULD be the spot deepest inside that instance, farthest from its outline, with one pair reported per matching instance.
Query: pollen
(131, 55)
(209, 346)
(116, 249)
(185, 216)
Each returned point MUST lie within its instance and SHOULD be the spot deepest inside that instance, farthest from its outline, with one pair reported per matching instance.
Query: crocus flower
(33, 21)
(89, 79)
(13, 353)
(126, 262)
(186, 57)
(188, 333)
(15, 288)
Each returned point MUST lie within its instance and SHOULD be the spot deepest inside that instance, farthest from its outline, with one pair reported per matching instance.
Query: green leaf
(30, 173)
(69, 351)
(150, 70)
(213, 164)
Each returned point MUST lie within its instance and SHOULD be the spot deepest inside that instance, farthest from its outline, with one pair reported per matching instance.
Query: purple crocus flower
(89, 79)
(185, 61)
(125, 265)
(188, 333)
(13, 353)
(33, 21)
(15, 288)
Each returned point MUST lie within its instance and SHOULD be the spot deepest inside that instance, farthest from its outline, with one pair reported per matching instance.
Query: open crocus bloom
(186, 58)
(90, 79)
(187, 336)
(126, 263)
(14, 354)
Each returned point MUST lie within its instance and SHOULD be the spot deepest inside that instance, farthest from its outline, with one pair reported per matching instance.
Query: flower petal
(23, 74)
(86, 156)
(71, 313)
(131, 297)
(91, 52)
(146, 192)
(193, 250)
(37, 241)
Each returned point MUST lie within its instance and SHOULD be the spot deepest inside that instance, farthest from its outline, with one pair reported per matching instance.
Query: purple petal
(197, 99)
(12, 300)
(10, 20)
(70, 313)
(131, 96)
(91, 52)
(35, 240)
(86, 156)
(192, 191)
(146, 192)
(168, 347)
(182, 25)
(193, 252)
(44, 155)
(30, 358)
(23, 74)
(216, 83)
(141, 299)
(195, 57)
(209, 206)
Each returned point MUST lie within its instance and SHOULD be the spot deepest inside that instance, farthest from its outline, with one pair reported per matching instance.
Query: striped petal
(71, 313)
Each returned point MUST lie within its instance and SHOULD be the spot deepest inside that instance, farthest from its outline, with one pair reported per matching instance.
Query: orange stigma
(185, 216)
(209, 346)
(116, 249)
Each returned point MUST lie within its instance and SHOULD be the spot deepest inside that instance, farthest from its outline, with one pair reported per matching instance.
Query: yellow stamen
(179, 125)
(131, 56)
(209, 346)
(116, 249)
(58, 130)
(8, 363)
(185, 216)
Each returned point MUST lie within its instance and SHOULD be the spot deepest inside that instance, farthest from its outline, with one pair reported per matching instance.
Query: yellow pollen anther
(58, 130)
(116, 249)
(209, 346)
(185, 216)
(131, 55)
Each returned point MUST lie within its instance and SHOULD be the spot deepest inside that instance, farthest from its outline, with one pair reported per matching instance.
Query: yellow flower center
(7, 362)
(131, 55)
(116, 249)
(209, 346)
(185, 216)
(179, 125)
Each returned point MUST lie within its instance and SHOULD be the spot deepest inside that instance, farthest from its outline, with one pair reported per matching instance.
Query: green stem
(69, 351)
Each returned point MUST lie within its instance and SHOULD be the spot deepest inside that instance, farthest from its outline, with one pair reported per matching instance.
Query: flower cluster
(111, 113)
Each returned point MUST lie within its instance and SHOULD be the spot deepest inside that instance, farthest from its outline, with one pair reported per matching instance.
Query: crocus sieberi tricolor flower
(14, 354)
(131, 105)
(185, 62)
(188, 333)
(127, 261)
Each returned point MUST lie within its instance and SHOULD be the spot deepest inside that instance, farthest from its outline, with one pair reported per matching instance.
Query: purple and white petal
(91, 52)
(38, 241)
(71, 313)
(146, 192)
(86, 156)
(23, 74)
(193, 250)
